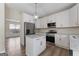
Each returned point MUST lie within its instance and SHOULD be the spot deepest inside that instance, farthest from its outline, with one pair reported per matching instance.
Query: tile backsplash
(74, 30)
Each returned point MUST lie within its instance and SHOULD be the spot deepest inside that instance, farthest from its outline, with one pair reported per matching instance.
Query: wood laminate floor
(14, 48)
(52, 50)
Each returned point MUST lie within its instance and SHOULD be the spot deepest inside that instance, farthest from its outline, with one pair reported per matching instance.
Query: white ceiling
(43, 9)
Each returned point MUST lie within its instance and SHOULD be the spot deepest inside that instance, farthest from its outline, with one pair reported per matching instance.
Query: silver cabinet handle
(37, 39)
(41, 43)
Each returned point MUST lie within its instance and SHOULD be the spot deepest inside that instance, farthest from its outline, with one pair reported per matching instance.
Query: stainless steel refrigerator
(29, 29)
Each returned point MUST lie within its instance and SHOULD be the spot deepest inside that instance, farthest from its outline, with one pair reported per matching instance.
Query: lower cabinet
(62, 41)
(35, 46)
(40, 45)
(74, 42)
(43, 43)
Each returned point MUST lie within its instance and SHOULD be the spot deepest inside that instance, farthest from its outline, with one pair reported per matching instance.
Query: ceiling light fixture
(35, 15)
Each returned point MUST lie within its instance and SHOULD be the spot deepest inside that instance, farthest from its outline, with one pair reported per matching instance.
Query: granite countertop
(35, 35)
(68, 33)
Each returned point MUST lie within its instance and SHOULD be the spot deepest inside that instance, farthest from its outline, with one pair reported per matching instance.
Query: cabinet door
(78, 14)
(36, 47)
(62, 19)
(43, 22)
(74, 42)
(73, 16)
(65, 41)
(43, 43)
(62, 41)
(58, 40)
(59, 21)
(52, 18)
(37, 23)
(65, 18)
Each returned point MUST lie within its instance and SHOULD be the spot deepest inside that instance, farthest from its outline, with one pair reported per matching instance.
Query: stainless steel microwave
(51, 25)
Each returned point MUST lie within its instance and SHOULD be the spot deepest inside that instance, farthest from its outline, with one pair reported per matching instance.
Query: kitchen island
(35, 44)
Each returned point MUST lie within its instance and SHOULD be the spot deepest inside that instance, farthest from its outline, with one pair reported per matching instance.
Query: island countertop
(36, 35)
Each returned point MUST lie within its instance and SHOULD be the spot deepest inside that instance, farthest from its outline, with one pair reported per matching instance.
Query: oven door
(50, 39)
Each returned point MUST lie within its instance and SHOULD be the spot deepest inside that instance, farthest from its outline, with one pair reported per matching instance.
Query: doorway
(13, 45)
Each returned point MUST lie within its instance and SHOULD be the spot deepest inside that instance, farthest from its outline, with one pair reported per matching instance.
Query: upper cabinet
(67, 18)
(28, 18)
(37, 23)
(43, 22)
(62, 19)
(73, 16)
(52, 18)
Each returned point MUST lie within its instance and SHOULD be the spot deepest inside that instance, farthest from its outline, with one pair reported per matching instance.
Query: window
(17, 26)
(14, 26)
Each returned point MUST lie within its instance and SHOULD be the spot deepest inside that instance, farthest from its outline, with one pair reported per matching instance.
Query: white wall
(12, 16)
(17, 15)
(2, 28)
(12, 13)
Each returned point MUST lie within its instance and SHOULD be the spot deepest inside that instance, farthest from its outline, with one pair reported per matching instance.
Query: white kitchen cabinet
(74, 42)
(73, 16)
(35, 44)
(52, 18)
(62, 19)
(43, 43)
(65, 18)
(40, 23)
(59, 21)
(37, 48)
(37, 23)
(62, 41)
(43, 22)
(28, 18)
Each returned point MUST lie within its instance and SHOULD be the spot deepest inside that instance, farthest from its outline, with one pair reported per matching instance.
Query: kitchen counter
(36, 35)
(68, 33)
